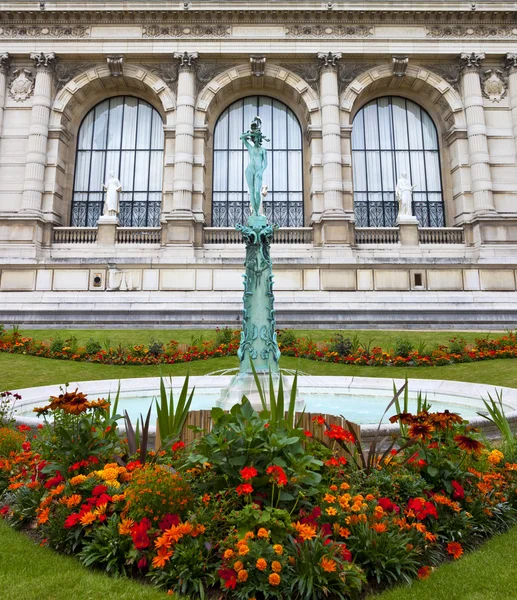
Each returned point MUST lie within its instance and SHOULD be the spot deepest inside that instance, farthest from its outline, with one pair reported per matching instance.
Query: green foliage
(286, 338)
(457, 345)
(7, 410)
(93, 346)
(56, 345)
(155, 348)
(403, 347)
(277, 521)
(341, 345)
(171, 417)
(223, 336)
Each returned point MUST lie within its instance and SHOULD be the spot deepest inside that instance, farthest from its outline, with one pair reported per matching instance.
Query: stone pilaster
(511, 69)
(476, 131)
(36, 158)
(5, 64)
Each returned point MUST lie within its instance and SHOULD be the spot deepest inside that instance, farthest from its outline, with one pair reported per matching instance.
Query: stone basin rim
(35, 396)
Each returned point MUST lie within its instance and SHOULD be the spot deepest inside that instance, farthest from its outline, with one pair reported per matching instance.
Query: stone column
(476, 131)
(5, 63)
(36, 158)
(331, 135)
(511, 69)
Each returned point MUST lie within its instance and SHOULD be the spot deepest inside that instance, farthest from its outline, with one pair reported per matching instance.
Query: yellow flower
(278, 549)
(495, 457)
(77, 479)
(331, 511)
(276, 566)
(274, 579)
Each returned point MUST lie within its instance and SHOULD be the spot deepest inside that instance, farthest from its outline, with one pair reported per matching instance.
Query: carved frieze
(66, 71)
(21, 85)
(29, 31)
(475, 31)
(448, 71)
(494, 85)
(309, 72)
(180, 31)
(347, 72)
(322, 31)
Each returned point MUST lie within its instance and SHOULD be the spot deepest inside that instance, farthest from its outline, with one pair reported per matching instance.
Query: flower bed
(335, 351)
(257, 507)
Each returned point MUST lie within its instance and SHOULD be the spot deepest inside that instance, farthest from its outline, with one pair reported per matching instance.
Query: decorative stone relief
(329, 60)
(321, 31)
(21, 85)
(493, 85)
(510, 62)
(347, 72)
(450, 72)
(309, 72)
(471, 62)
(5, 63)
(44, 60)
(73, 31)
(187, 60)
(179, 31)
(65, 72)
(476, 31)
(206, 71)
(116, 65)
(258, 65)
(166, 71)
(399, 65)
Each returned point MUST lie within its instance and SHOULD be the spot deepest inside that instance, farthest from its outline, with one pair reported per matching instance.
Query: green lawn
(29, 572)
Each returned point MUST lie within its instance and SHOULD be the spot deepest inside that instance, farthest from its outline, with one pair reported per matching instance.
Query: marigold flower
(331, 511)
(455, 549)
(77, 479)
(424, 572)
(327, 564)
(243, 550)
(261, 564)
(278, 548)
(274, 579)
(242, 575)
(495, 457)
(228, 553)
(238, 566)
(262, 533)
(276, 566)
(329, 498)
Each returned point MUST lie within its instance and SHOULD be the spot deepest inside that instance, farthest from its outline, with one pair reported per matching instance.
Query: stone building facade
(352, 94)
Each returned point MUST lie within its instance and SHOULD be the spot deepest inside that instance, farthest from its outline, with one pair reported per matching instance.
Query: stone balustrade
(285, 235)
(74, 235)
(441, 235)
(376, 235)
(139, 235)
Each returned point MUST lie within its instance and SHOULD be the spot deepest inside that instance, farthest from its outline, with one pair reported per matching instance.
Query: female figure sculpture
(113, 188)
(404, 193)
(253, 139)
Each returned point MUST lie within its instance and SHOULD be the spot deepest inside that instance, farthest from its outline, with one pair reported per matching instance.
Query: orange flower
(238, 566)
(344, 532)
(424, 572)
(72, 500)
(262, 533)
(274, 579)
(278, 549)
(125, 526)
(331, 511)
(379, 527)
(329, 498)
(468, 444)
(344, 486)
(77, 479)
(43, 516)
(421, 431)
(327, 564)
(261, 564)
(455, 549)
(162, 557)
(276, 566)
(228, 553)
(305, 531)
(243, 550)
(242, 575)
(87, 519)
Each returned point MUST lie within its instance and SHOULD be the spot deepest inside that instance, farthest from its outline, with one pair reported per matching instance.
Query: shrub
(341, 345)
(56, 345)
(93, 346)
(10, 441)
(155, 348)
(223, 336)
(155, 492)
(286, 338)
(403, 347)
(457, 346)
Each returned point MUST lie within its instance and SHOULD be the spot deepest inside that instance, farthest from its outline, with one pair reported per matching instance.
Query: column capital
(471, 61)
(5, 62)
(510, 62)
(187, 60)
(44, 61)
(329, 60)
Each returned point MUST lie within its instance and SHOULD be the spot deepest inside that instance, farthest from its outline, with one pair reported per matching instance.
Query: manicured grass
(129, 337)
(29, 572)
(18, 371)
(486, 574)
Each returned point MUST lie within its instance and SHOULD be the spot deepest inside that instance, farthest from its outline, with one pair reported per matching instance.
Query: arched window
(391, 136)
(283, 175)
(124, 135)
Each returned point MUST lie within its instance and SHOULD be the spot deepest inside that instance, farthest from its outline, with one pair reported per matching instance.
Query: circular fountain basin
(362, 400)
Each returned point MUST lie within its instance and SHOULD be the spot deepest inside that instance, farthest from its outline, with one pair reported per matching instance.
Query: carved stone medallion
(21, 85)
(493, 85)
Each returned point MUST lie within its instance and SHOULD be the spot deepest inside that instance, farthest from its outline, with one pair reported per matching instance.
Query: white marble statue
(404, 193)
(113, 188)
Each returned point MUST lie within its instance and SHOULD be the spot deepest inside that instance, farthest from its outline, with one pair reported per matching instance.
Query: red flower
(26, 446)
(168, 521)
(388, 505)
(459, 491)
(139, 534)
(23, 428)
(142, 563)
(318, 419)
(307, 433)
(336, 432)
(424, 572)
(248, 473)
(244, 488)
(99, 489)
(229, 576)
(134, 464)
(71, 520)
(177, 446)
(278, 475)
(346, 554)
(4, 510)
(455, 549)
(53, 481)
(422, 509)
(40, 426)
